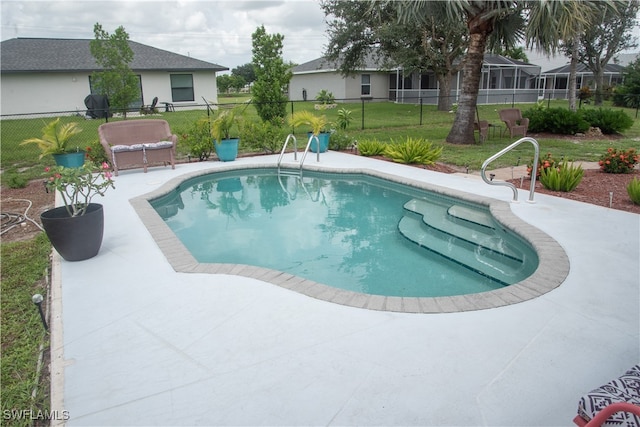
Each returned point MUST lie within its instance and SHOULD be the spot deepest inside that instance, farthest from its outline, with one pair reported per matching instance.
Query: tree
(482, 19)
(517, 53)
(612, 35)
(552, 23)
(628, 93)
(223, 82)
(272, 75)
(361, 29)
(245, 71)
(116, 81)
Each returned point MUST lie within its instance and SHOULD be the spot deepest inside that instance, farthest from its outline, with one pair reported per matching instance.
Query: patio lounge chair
(150, 109)
(516, 124)
(616, 403)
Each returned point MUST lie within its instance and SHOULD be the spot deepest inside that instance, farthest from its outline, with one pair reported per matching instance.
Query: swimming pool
(553, 263)
(351, 231)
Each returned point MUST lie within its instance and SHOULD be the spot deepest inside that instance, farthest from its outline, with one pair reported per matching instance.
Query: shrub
(344, 119)
(615, 161)
(565, 177)
(633, 190)
(325, 97)
(609, 121)
(543, 163)
(555, 120)
(197, 141)
(371, 147)
(340, 141)
(15, 179)
(413, 150)
(95, 153)
(263, 135)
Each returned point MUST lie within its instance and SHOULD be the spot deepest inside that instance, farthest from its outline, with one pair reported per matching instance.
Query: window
(182, 87)
(365, 85)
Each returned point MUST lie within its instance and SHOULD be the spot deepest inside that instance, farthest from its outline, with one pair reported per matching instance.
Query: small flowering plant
(546, 162)
(78, 186)
(614, 161)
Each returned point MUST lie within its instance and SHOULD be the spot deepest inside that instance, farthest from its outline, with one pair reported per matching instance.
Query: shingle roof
(373, 63)
(63, 55)
(581, 68)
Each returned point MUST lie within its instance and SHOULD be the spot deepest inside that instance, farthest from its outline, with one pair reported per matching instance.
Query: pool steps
(463, 235)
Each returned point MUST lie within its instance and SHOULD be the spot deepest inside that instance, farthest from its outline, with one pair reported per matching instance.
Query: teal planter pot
(70, 160)
(227, 150)
(323, 138)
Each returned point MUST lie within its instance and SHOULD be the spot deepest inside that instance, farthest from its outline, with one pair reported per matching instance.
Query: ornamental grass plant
(633, 190)
(565, 177)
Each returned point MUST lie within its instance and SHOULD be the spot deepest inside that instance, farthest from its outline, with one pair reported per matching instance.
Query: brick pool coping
(552, 270)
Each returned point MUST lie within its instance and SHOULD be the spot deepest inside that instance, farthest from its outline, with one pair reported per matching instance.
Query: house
(40, 75)
(555, 82)
(503, 80)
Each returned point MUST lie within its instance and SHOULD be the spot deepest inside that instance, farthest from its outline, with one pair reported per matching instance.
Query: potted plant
(317, 123)
(75, 229)
(55, 141)
(226, 146)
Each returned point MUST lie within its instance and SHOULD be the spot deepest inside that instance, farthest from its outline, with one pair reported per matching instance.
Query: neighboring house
(555, 83)
(503, 81)
(54, 75)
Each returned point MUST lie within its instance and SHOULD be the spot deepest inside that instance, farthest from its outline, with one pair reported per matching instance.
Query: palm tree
(482, 18)
(554, 22)
(549, 23)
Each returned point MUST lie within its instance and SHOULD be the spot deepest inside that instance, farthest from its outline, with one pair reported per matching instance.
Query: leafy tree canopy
(116, 81)
(272, 75)
(245, 71)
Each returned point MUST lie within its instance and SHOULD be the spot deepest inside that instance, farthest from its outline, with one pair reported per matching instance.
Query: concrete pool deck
(136, 343)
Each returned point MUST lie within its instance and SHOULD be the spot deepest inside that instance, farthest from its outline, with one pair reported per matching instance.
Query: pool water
(349, 231)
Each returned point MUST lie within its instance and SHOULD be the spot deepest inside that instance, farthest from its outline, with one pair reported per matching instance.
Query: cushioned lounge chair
(616, 403)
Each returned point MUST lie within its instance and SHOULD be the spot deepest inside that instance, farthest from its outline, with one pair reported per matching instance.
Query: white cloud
(214, 31)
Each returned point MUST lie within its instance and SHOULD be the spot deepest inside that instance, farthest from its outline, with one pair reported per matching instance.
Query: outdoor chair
(516, 124)
(481, 126)
(616, 403)
(150, 109)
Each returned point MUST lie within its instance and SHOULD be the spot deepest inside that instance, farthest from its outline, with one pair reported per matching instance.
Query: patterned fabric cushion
(119, 148)
(158, 145)
(623, 389)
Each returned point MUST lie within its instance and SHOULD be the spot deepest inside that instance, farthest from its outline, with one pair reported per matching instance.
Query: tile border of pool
(552, 270)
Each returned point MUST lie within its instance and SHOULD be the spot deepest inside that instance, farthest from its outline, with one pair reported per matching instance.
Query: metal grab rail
(284, 147)
(536, 147)
(306, 150)
(295, 149)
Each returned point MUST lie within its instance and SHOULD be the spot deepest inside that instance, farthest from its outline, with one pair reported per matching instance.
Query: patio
(136, 343)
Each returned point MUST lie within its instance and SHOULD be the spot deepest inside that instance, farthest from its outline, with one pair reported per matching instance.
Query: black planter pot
(75, 238)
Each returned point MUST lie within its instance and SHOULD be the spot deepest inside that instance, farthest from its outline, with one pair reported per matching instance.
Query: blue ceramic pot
(70, 160)
(227, 150)
(323, 138)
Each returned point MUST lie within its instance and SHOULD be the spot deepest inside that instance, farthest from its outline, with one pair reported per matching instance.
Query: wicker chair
(516, 124)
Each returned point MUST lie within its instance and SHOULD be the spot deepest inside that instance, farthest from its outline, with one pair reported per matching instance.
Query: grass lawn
(384, 121)
(24, 266)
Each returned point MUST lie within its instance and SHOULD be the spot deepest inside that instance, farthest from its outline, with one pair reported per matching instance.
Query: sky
(214, 31)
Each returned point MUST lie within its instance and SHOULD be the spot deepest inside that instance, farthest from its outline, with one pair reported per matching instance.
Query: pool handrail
(532, 188)
(306, 150)
(295, 149)
(284, 147)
